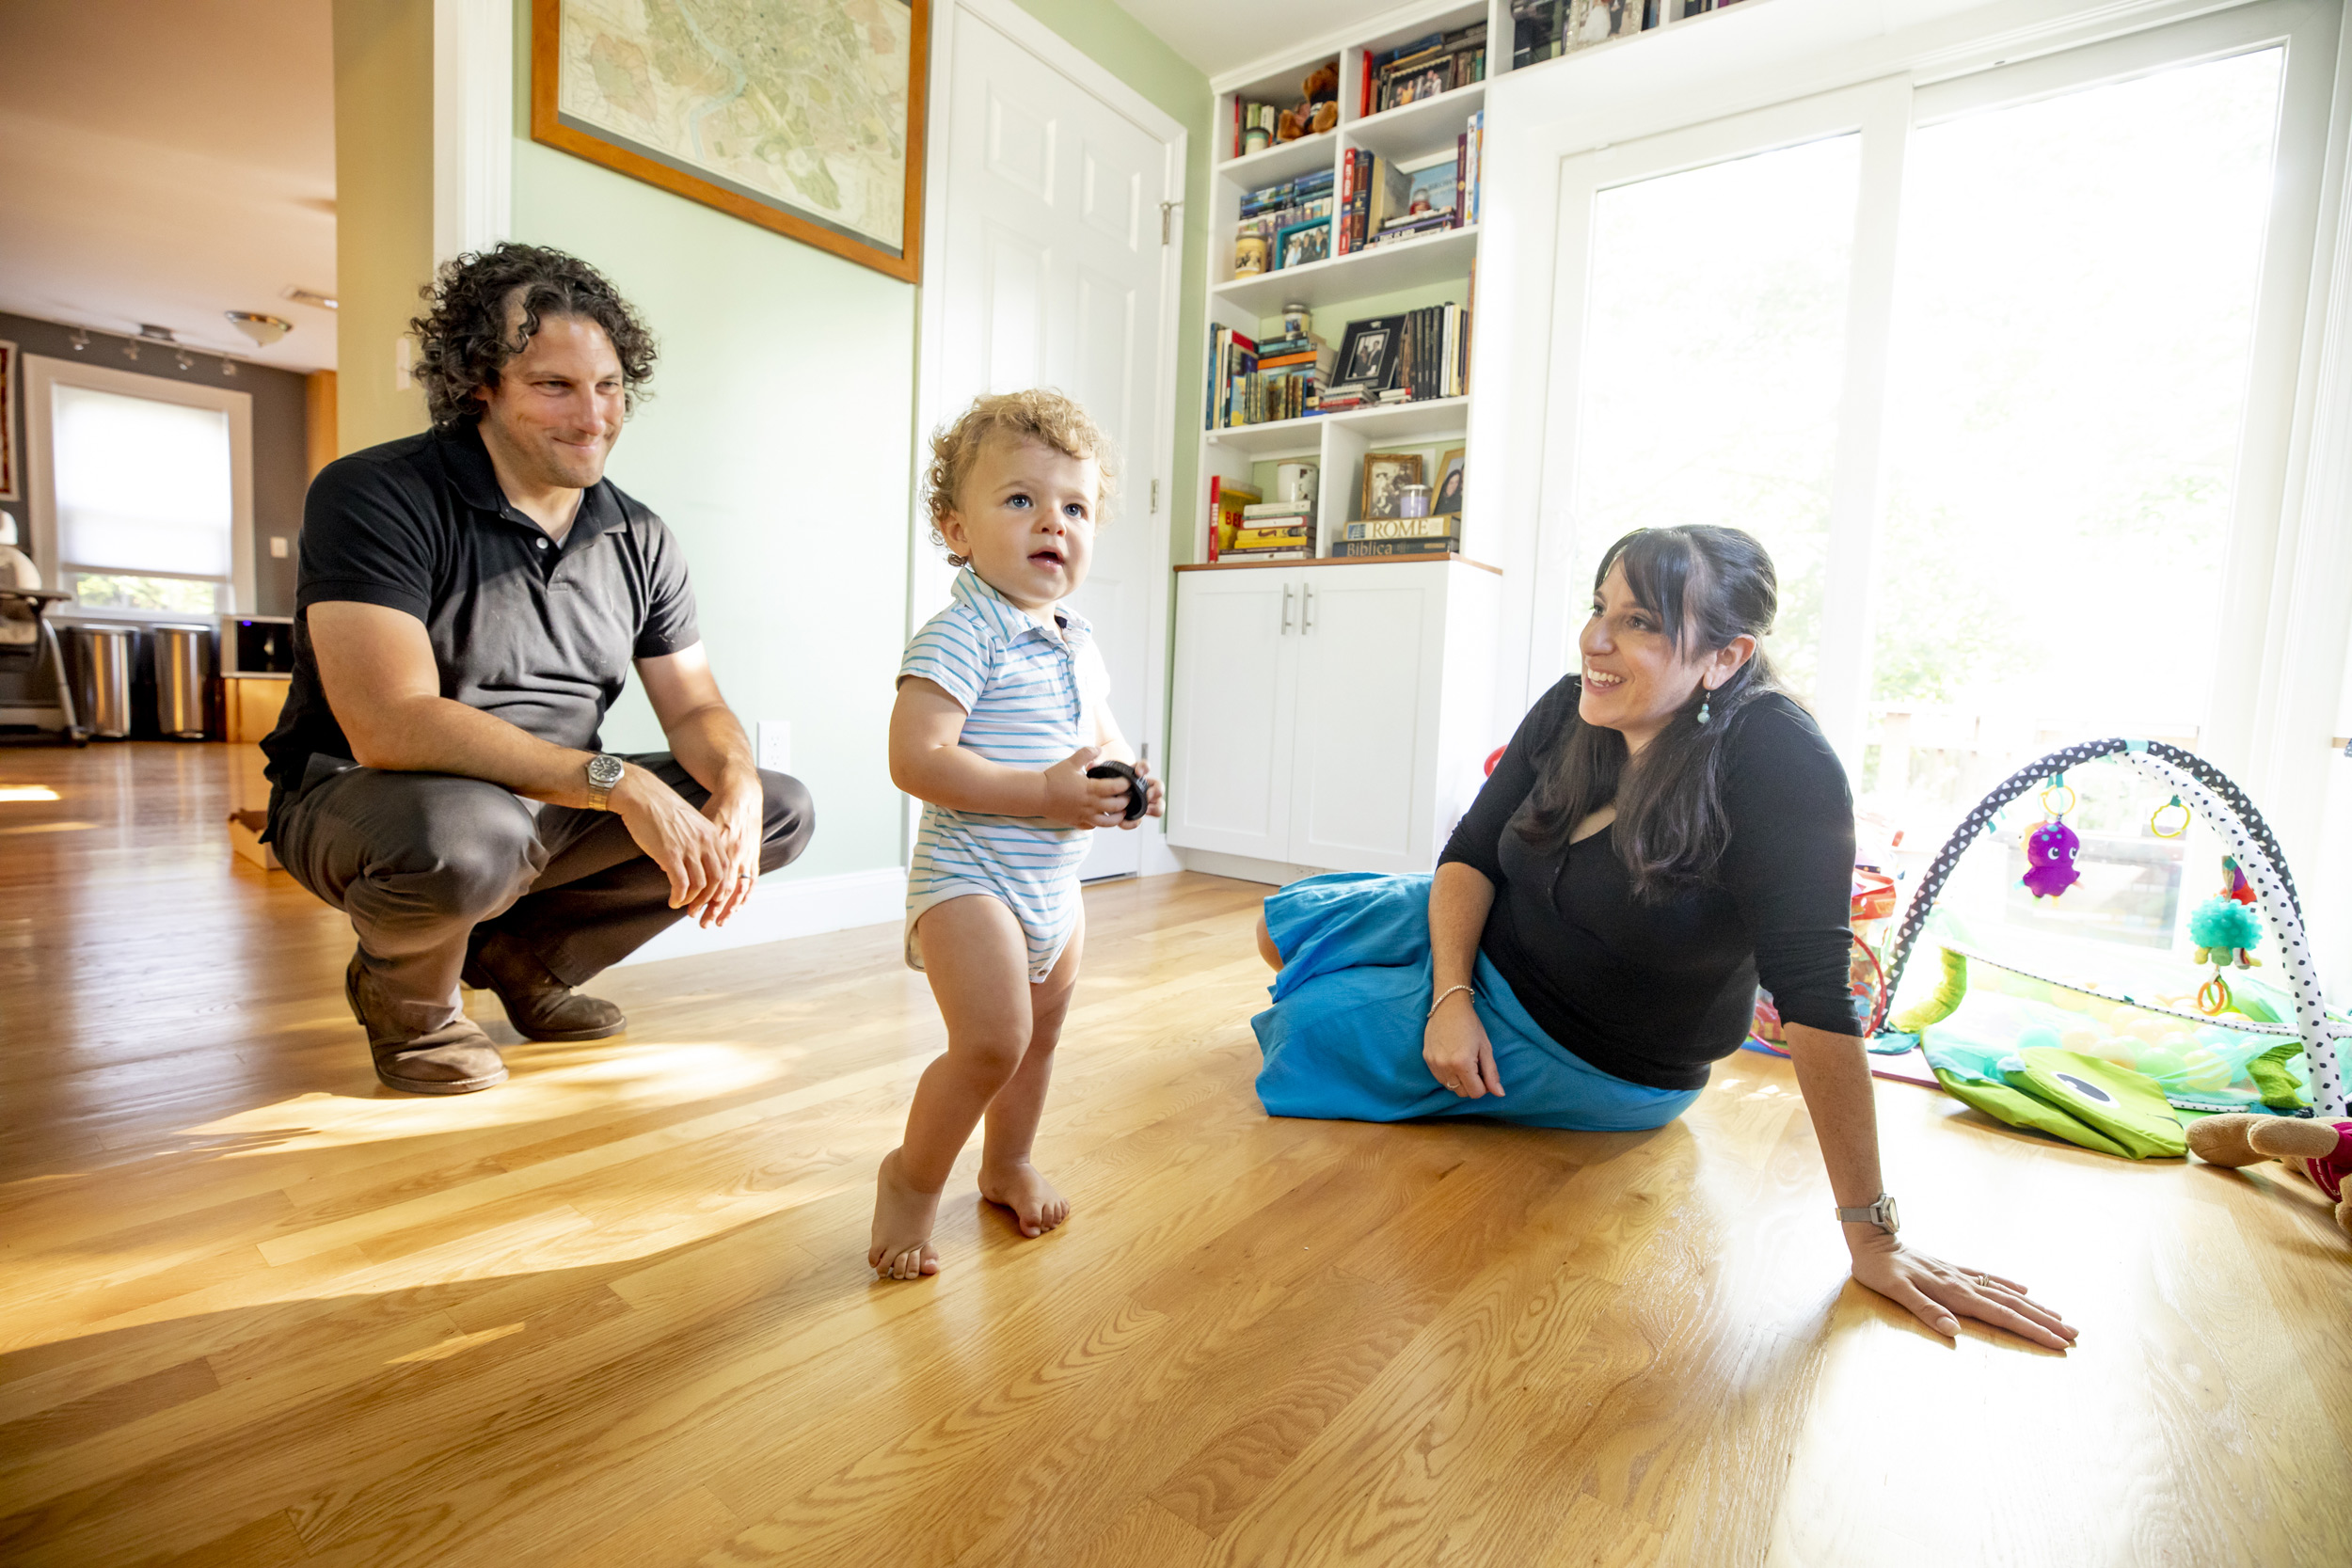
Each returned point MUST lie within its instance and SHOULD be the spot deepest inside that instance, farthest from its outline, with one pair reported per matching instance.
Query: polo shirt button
(541, 543)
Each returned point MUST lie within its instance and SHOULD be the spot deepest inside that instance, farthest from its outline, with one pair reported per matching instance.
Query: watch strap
(1880, 1212)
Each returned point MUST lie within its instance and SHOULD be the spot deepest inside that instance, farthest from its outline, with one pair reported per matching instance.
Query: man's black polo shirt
(538, 633)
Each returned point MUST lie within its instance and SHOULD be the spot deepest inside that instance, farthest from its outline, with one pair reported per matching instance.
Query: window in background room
(1715, 332)
(144, 502)
(2073, 327)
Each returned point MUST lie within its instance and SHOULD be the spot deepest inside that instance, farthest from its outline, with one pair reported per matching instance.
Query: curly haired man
(470, 602)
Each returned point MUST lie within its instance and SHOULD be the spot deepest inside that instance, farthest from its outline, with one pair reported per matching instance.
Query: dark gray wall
(279, 450)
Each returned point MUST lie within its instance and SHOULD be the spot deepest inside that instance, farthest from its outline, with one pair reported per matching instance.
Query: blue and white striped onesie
(1032, 694)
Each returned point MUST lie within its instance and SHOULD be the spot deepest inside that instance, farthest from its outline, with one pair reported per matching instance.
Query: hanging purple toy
(2051, 848)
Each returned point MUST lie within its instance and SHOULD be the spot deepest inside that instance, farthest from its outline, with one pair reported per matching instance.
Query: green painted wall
(382, 209)
(779, 440)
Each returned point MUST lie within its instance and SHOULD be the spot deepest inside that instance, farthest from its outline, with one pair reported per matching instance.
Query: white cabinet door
(1371, 669)
(1230, 735)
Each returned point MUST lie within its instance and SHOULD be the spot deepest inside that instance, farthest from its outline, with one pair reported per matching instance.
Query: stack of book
(1254, 383)
(1424, 68)
(1382, 201)
(1268, 211)
(1438, 535)
(1270, 531)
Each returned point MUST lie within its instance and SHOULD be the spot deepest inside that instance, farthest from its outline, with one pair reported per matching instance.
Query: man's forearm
(434, 734)
(710, 743)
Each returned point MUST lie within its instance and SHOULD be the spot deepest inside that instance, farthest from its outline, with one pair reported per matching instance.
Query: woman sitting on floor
(1663, 832)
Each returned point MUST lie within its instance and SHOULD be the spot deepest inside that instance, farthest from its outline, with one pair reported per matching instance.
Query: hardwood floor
(254, 1310)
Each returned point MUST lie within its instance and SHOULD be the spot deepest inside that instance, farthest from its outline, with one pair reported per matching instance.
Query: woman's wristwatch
(1881, 1213)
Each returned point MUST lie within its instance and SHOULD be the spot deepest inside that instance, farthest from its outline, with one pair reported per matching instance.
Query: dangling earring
(1706, 696)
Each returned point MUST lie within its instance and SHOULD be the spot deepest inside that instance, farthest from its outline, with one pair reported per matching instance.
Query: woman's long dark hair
(1706, 586)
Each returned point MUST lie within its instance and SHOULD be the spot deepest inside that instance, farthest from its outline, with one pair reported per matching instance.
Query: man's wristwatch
(603, 773)
(1881, 1213)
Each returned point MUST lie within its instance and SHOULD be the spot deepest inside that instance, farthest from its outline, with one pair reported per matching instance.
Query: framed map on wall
(801, 116)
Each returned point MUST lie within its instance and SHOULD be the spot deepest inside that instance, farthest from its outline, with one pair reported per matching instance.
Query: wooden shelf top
(1337, 560)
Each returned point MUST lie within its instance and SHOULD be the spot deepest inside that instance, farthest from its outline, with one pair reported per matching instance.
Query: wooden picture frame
(8, 483)
(1449, 472)
(552, 127)
(1383, 472)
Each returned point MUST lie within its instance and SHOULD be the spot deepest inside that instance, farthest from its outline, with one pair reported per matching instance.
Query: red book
(1216, 481)
(1363, 104)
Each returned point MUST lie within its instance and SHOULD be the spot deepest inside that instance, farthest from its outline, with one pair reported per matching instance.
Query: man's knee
(467, 853)
(789, 820)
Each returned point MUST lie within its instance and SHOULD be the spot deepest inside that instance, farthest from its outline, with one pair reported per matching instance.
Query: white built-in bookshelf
(1381, 280)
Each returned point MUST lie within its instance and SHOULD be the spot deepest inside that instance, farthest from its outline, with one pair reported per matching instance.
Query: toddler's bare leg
(1266, 950)
(977, 962)
(1006, 1176)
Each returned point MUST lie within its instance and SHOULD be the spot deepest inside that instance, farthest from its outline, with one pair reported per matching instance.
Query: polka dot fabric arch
(2224, 808)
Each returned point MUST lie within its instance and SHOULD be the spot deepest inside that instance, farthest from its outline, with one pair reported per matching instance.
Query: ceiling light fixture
(309, 296)
(185, 360)
(264, 330)
(156, 334)
(228, 366)
(130, 348)
(79, 338)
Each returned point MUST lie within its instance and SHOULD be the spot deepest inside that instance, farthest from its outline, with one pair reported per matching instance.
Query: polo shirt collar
(1011, 621)
(466, 461)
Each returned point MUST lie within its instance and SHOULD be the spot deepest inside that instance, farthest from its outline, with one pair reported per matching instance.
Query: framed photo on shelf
(1368, 352)
(818, 136)
(1448, 498)
(1384, 472)
(1302, 242)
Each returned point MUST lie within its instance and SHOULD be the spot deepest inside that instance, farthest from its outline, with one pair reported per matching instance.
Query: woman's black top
(1652, 993)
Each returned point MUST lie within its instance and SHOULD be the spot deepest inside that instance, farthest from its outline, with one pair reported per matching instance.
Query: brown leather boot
(539, 1006)
(456, 1058)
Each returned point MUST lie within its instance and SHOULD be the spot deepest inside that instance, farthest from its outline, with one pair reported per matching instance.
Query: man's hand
(1078, 802)
(688, 846)
(1454, 1048)
(739, 813)
(1151, 795)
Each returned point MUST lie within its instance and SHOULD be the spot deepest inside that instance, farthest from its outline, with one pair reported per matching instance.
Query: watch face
(604, 770)
(1891, 1222)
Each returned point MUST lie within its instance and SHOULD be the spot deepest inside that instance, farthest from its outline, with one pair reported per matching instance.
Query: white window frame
(42, 376)
(2285, 599)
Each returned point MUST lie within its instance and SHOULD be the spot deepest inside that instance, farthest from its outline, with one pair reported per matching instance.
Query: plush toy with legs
(2320, 1150)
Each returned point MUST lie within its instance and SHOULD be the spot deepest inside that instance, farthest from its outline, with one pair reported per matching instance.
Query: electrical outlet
(775, 738)
(277, 550)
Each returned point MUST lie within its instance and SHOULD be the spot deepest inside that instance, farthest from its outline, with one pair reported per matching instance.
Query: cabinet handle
(1306, 610)
(1286, 610)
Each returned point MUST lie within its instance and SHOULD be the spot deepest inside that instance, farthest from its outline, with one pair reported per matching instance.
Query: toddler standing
(1001, 711)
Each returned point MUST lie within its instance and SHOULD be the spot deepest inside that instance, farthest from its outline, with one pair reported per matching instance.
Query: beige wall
(383, 207)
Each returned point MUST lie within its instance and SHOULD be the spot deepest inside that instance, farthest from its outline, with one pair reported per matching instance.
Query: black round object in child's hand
(1137, 795)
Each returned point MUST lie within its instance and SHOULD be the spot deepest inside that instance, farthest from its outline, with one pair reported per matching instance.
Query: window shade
(142, 485)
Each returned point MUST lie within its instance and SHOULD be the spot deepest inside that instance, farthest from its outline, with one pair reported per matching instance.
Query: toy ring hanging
(2057, 786)
(2213, 997)
(2165, 824)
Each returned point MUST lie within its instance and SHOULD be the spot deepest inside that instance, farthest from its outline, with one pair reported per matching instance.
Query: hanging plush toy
(2234, 884)
(2051, 848)
(2225, 932)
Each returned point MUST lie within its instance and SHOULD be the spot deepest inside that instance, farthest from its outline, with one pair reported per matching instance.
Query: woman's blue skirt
(1342, 1039)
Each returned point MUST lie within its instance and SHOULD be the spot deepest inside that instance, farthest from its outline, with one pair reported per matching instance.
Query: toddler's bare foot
(1033, 1199)
(902, 1227)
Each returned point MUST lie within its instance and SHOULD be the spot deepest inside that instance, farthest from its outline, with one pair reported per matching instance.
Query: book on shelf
(1266, 539)
(1226, 505)
(1421, 530)
(1278, 509)
(1437, 544)
(1294, 553)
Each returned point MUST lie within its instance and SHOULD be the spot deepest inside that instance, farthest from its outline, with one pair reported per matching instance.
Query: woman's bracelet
(1443, 994)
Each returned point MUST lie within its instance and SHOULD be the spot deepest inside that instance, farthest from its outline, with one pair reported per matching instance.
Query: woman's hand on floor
(1456, 1048)
(1939, 1293)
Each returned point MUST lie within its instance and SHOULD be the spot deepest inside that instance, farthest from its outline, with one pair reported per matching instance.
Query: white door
(1370, 657)
(1053, 275)
(1231, 732)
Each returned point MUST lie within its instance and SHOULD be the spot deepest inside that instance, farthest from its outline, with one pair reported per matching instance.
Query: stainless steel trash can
(183, 660)
(102, 679)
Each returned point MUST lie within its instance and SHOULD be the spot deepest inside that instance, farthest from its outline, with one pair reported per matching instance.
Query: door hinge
(1155, 498)
(1167, 216)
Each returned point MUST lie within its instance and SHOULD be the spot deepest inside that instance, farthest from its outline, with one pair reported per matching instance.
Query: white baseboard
(1244, 868)
(780, 910)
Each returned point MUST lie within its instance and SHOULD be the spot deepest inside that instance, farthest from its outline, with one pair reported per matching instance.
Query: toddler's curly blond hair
(1040, 414)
